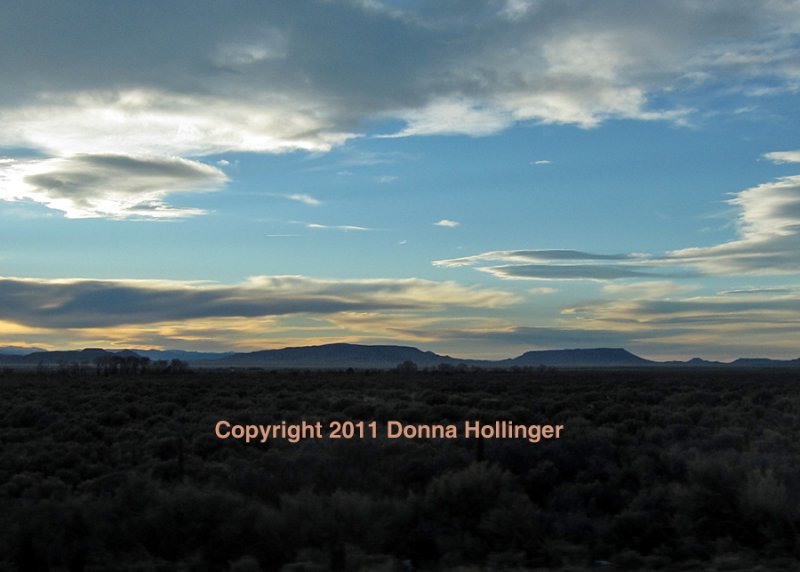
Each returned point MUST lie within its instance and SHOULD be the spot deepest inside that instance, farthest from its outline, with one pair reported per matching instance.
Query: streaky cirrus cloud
(752, 291)
(531, 256)
(84, 303)
(279, 77)
(342, 227)
(555, 264)
(598, 272)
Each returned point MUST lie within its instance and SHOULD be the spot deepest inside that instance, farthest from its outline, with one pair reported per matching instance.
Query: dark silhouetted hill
(338, 356)
(597, 357)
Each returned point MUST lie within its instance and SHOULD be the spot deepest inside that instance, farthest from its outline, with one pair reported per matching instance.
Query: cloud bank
(82, 303)
(213, 78)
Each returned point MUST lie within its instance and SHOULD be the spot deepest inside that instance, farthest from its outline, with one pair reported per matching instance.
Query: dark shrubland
(656, 470)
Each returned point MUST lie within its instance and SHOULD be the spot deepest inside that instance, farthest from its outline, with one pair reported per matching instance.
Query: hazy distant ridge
(341, 355)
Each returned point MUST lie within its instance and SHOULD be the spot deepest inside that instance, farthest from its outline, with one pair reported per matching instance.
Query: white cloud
(113, 186)
(447, 223)
(157, 122)
(305, 199)
(542, 162)
(533, 256)
(769, 234)
(343, 227)
(783, 156)
(447, 116)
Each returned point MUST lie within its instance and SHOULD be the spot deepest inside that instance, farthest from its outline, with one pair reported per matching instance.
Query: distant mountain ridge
(338, 356)
(596, 357)
(343, 355)
(18, 350)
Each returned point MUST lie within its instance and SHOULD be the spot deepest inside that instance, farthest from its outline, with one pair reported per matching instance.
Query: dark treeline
(656, 470)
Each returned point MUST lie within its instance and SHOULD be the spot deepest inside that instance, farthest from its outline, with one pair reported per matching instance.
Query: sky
(475, 178)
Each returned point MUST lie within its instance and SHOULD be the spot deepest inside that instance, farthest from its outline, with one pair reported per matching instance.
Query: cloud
(280, 77)
(729, 327)
(524, 256)
(267, 44)
(81, 303)
(391, 327)
(705, 312)
(343, 227)
(719, 326)
(555, 264)
(518, 9)
(157, 122)
(542, 291)
(768, 243)
(113, 186)
(542, 162)
(768, 225)
(565, 272)
(548, 337)
(448, 117)
(649, 289)
(447, 223)
(783, 156)
(761, 291)
(305, 199)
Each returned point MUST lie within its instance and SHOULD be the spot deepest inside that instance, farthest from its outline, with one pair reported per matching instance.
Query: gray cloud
(550, 338)
(107, 303)
(566, 272)
(197, 78)
(114, 186)
(556, 264)
(706, 311)
(523, 256)
(760, 291)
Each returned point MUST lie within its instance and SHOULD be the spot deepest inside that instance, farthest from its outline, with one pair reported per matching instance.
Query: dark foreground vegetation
(661, 470)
